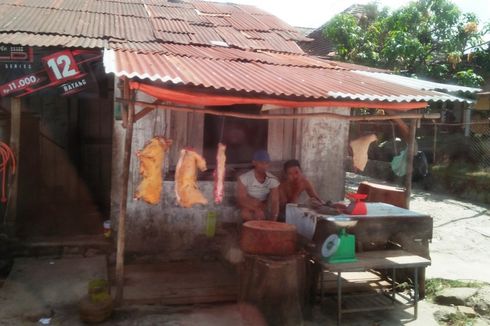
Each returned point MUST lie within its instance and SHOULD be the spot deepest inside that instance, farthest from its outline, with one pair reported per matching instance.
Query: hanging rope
(6, 157)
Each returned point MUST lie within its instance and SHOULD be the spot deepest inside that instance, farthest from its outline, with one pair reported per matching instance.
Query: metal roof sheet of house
(418, 83)
(213, 45)
(253, 77)
(158, 21)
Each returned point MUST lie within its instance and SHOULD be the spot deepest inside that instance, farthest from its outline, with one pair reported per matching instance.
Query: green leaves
(429, 38)
(468, 78)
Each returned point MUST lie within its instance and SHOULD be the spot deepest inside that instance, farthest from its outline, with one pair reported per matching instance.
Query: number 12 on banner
(61, 66)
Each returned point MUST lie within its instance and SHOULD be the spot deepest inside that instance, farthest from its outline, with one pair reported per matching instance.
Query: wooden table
(383, 259)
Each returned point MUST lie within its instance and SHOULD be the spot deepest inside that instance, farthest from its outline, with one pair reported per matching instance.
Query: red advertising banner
(19, 84)
(60, 66)
(24, 70)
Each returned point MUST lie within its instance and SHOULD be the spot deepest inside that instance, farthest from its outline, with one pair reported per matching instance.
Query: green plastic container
(211, 224)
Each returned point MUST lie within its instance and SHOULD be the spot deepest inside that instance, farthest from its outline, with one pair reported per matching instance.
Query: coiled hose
(6, 157)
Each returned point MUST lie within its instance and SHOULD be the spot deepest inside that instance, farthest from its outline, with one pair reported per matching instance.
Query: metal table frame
(384, 259)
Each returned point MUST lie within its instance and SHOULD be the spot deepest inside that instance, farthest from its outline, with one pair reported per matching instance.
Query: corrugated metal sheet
(222, 53)
(204, 35)
(136, 9)
(274, 23)
(163, 3)
(418, 83)
(231, 37)
(173, 37)
(274, 41)
(254, 35)
(252, 10)
(82, 24)
(351, 66)
(176, 13)
(150, 21)
(28, 39)
(122, 8)
(217, 21)
(171, 26)
(212, 8)
(293, 36)
(265, 79)
(246, 22)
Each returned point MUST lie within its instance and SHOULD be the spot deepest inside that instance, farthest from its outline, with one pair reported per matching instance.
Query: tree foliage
(428, 38)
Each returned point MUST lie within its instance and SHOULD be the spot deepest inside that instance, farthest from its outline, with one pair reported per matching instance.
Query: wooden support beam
(434, 146)
(284, 116)
(15, 126)
(142, 113)
(410, 155)
(126, 94)
(121, 225)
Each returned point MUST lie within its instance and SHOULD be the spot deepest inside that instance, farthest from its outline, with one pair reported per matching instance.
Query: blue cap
(261, 156)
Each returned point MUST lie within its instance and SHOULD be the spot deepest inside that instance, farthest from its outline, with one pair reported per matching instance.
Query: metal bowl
(343, 222)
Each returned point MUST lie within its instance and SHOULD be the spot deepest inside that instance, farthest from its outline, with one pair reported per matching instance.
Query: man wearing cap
(256, 188)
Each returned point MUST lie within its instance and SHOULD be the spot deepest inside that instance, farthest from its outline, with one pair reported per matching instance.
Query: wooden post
(434, 149)
(121, 225)
(15, 125)
(410, 154)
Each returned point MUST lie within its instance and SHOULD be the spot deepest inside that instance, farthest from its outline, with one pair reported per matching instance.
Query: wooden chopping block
(268, 238)
(382, 193)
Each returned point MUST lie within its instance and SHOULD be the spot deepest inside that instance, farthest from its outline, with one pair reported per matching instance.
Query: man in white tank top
(255, 188)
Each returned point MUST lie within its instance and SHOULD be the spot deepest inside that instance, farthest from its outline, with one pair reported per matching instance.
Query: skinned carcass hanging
(219, 174)
(186, 189)
(151, 159)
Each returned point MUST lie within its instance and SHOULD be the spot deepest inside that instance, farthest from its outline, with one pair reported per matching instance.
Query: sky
(314, 13)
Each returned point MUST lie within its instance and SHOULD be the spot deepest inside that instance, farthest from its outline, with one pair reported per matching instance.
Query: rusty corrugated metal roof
(223, 53)
(260, 78)
(419, 83)
(29, 39)
(158, 21)
(194, 43)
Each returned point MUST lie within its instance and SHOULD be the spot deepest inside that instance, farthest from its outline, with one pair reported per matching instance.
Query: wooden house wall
(177, 232)
(64, 165)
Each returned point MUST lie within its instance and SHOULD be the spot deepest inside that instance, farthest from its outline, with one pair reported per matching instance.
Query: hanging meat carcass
(360, 147)
(219, 174)
(151, 159)
(186, 189)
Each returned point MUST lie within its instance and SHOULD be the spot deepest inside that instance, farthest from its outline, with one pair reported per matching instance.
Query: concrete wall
(321, 148)
(320, 145)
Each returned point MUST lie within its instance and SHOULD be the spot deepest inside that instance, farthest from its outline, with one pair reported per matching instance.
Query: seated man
(294, 184)
(255, 188)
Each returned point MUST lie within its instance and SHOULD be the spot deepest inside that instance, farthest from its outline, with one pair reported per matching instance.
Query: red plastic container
(357, 206)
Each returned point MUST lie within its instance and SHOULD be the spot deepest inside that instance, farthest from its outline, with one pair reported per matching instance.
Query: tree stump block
(268, 238)
(276, 285)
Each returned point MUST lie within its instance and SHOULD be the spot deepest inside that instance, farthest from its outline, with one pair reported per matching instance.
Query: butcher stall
(188, 92)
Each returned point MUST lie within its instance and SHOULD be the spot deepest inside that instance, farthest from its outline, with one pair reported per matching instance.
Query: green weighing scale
(340, 248)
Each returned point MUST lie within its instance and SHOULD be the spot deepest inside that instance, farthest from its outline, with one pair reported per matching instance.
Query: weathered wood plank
(186, 282)
(410, 155)
(178, 134)
(15, 126)
(195, 130)
(275, 139)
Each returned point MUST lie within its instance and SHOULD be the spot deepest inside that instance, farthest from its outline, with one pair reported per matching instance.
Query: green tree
(427, 38)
